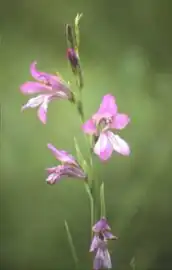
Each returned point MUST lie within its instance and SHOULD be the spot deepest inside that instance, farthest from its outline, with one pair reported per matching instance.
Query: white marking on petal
(119, 145)
(101, 144)
(34, 102)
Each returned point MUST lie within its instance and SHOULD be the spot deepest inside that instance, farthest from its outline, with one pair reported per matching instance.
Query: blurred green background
(126, 50)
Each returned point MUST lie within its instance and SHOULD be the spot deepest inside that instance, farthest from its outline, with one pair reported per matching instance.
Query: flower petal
(103, 148)
(101, 225)
(89, 127)
(108, 108)
(73, 172)
(51, 170)
(42, 111)
(34, 102)
(55, 174)
(64, 171)
(34, 87)
(109, 236)
(119, 145)
(62, 156)
(102, 259)
(120, 121)
(94, 243)
(55, 82)
(53, 178)
(38, 75)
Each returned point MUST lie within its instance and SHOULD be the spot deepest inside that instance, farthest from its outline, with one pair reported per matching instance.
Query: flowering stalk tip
(73, 41)
(77, 32)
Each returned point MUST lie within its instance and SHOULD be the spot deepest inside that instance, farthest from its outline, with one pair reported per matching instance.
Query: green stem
(89, 187)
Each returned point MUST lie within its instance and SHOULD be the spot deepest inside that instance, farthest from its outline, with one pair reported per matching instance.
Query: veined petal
(107, 260)
(62, 95)
(55, 174)
(73, 172)
(42, 111)
(53, 178)
(51, 170)
(38, 75)
(101, 225)
(102, 259)
(103, 147)
(107, 109)
(120, 121)
(62, 156)
(109, 236)
(55, 82)
(89, 127)
(94, 243)
(34, 87)
(34, 102)
(119, 145)
(64, 171)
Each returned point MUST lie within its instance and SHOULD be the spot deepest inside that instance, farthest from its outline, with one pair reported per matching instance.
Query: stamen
(104, 124)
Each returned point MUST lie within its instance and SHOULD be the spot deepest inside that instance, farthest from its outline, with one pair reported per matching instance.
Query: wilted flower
(107, 118)
(50, 86)
(69, 168)
(102, 258)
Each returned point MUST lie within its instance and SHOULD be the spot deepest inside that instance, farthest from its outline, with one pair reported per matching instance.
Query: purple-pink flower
(101, 225)
(99, 243)
(48, 87)
(69, 167)
(100, 125)
(102, 258)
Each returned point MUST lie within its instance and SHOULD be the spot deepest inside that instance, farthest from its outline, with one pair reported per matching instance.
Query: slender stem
(90, 186)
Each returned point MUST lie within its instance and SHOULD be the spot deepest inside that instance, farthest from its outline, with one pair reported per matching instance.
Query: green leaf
(72, 247)
(87, 188)
(77, 32)
(102, 201)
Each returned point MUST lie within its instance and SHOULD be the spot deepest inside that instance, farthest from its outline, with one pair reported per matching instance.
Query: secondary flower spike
(48, 87)
(68, 169)
(100, 125)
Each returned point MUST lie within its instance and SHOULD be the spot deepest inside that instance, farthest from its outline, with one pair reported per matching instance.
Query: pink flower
(101, 228)
(49, 87)
(100, 125)
(69, 168)
(101, 225)
(99, 242)
(102, 258)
